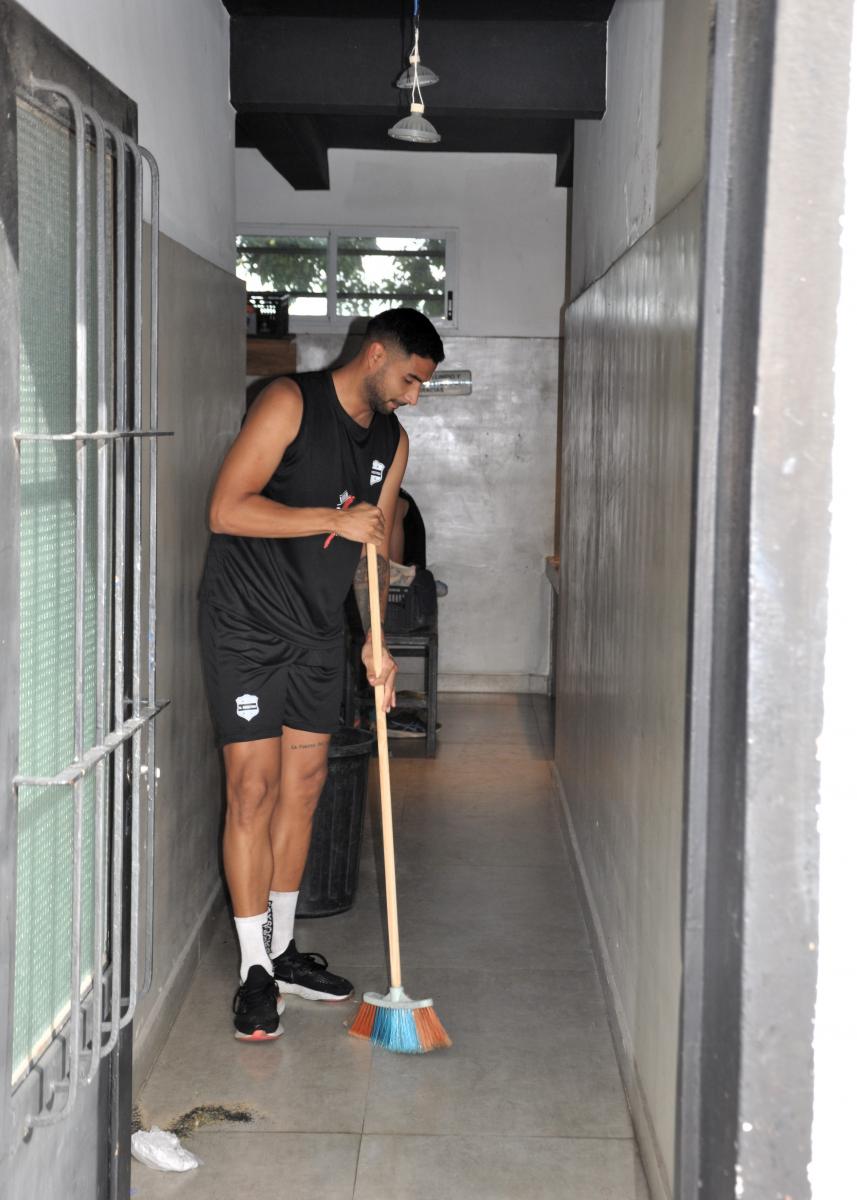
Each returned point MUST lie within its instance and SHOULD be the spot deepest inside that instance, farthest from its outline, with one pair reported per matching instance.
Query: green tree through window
(372, 272)
(297, 265)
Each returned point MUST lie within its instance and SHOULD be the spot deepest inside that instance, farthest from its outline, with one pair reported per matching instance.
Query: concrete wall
(482, 470)
(173, 60)
(626, 465)
(800, 625)
(201, 385)
(648, 152)
(482, 467)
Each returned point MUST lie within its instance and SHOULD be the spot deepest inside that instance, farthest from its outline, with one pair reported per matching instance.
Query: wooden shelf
(271, 356)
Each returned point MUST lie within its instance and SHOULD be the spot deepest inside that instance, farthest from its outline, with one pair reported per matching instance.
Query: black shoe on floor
(257, 1006)
(404, 724)
(307, 975)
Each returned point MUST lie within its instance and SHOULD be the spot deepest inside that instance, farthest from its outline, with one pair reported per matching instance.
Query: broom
(393, 1021)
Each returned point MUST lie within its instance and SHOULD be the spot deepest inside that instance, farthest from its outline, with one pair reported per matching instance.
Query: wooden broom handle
(384, 769)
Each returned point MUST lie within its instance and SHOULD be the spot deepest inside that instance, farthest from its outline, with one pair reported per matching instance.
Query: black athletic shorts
(257, 682)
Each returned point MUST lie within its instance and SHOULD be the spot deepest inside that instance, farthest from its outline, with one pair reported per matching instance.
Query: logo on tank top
(247, 706)
(377, 473)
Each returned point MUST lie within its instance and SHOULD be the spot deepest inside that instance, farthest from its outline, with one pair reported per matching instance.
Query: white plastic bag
(161, 1150)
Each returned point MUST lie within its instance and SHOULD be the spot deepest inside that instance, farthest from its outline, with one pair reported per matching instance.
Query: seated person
(408, 543)
(408, 539)
(407, 553)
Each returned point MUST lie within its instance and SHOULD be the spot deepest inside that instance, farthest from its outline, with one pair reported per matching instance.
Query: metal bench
(401, 645)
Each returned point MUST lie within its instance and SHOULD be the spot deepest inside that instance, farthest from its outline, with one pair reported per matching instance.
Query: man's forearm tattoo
(361, 589)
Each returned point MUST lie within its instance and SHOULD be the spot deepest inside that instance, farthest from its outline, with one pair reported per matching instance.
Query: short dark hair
(411, 331)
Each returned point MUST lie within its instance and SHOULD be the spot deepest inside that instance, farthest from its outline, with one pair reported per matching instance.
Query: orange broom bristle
(427, 1029)
(363, 1022)
(431, 1033)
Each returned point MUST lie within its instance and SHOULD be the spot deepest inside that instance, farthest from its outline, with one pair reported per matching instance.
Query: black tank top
(294, 586)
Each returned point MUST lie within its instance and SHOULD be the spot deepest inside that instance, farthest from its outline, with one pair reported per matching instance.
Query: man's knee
(306, 786)
(251, 796)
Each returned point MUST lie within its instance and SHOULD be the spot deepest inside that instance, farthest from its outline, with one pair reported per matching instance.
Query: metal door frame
(768, 291)
(712, 887)
(35, 63)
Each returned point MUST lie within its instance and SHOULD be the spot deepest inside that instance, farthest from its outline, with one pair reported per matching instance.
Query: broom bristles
(430, 1031)
(402, 1030)
(363, 1022)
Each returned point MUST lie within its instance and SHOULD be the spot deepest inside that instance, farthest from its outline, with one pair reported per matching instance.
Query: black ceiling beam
(537, 69)
(295, 146)
(468, 10)
(291, 144)
(459, 134)
(565, 160)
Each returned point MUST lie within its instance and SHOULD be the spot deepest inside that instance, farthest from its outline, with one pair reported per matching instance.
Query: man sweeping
(312, 477)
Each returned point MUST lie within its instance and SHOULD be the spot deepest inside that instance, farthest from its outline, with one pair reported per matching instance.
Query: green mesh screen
(47, 596)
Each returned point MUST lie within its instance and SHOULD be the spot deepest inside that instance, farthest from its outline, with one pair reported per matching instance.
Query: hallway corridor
(527, 1104)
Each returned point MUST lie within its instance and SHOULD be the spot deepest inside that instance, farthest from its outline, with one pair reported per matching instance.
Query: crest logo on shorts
(247, 707)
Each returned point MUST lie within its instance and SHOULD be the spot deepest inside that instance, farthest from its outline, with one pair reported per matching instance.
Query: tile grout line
(369, 1075)
(397, 1133)
(530, 1137)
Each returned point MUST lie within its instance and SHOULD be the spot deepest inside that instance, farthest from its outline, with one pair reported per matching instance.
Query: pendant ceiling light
(425, 75)
(415, 128)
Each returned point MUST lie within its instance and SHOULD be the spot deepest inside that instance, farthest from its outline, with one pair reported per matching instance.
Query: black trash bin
(329, 883)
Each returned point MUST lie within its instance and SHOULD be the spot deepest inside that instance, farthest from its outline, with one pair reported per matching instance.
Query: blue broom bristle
(395, 1029)
(402, 1030)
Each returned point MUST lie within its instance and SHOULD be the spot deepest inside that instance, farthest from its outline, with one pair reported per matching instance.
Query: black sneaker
(404, 724)
(257, 1007)
(307, 975)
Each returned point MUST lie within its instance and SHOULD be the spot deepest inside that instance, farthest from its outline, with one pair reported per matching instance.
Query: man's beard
(375, 397)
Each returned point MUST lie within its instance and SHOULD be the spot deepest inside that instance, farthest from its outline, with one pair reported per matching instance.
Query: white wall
(509, 214)
(173, 60)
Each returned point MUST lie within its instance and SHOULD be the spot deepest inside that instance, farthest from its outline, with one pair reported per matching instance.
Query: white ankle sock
(283, 905)
(252, 943)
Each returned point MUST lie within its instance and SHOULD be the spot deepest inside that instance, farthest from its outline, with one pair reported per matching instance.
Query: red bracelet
(331, 536)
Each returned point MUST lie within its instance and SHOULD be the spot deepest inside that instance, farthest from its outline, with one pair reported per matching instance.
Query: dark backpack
(413, 607)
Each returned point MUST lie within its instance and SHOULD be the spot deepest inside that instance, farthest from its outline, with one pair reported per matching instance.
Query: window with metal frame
(87, 444)
(330, 276)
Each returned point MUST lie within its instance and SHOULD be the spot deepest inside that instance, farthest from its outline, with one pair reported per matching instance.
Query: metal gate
(78, 463)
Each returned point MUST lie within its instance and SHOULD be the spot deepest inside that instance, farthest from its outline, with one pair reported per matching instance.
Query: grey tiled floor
(527, 1104)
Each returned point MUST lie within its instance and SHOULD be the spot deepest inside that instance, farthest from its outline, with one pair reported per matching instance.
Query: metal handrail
(104, 457)
(121, 1019)
(90, 759)
(151, 771)
(97, 435)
